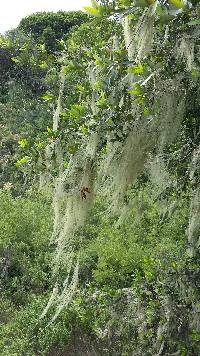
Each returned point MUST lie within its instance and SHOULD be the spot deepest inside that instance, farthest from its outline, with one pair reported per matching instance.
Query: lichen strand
(70, 214)
(194, 220)
(185, 51)
(147, 135)
(139, 40)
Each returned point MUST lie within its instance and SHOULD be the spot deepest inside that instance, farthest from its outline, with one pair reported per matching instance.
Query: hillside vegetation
(100, 181)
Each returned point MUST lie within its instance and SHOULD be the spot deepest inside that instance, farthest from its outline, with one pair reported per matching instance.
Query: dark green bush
(49, 27)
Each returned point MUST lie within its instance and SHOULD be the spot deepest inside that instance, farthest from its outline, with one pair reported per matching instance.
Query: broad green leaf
(83, 130)
(49, 130)
(137, 69)
(77, 111)
(3, 41)
(22, 161)
(98, 60)
(136, 90)
(47, 97)
(43, 65)
(73, 149)
(41, 46)
(147, 111)
(140, 100)
(174, 264)
(98, 85)
(195, 73)
(23, 143)
(91, 11)
(66, 165)
(39, 145)
(72, 43)
(61, 42)
(102, 102)
(16, 60)
(180, 4)
(148, 275)
(80, 88)
(110, 122)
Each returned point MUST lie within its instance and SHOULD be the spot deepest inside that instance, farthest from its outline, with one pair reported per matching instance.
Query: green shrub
(25, 228)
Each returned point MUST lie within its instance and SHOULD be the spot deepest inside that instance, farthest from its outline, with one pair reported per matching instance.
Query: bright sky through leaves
(12, 11)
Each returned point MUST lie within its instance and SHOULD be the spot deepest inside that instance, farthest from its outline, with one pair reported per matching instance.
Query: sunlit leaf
(66, 165)
(23, 143)
(49, 130)
(16, 60)
(22, 161)
(80, 88)
(136, 90)
(178, 3)
(195, 73)
(43, 65)
(83, 130)
(91, 11)
(137, 69)
(47, 97)
(147, 111)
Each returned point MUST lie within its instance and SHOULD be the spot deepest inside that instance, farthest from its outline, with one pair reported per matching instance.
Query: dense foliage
(100, 199)
(50, 28)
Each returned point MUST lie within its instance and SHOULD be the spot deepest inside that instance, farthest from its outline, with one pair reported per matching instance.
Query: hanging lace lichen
(158, 174)
(126, 166)
(144, 33)
(128, 37)
(71, 210)
(138, 41)
(171, 99)
(194, 220)
(56, 116)
(93, 74)
(194, 224)
(128, 159)
(53, 145)
(185, 51)
(76, 186)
